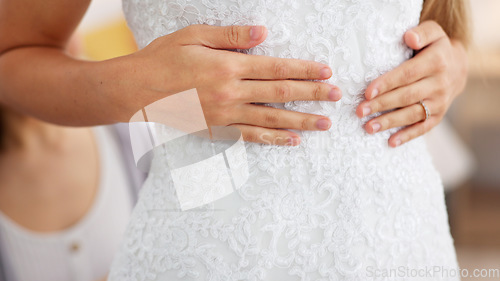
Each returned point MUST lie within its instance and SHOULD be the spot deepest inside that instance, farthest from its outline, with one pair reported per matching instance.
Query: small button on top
(74, 247)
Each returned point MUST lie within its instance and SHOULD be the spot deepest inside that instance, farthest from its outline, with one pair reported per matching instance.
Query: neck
(26, 133)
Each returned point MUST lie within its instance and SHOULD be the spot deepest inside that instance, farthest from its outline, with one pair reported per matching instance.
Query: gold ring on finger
(426, 109)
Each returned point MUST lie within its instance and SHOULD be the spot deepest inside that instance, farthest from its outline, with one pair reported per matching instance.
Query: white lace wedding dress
(341, 206)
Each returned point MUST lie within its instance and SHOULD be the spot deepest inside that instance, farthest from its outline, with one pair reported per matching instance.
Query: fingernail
(326, 73)
(334, 94)
(294, 141)
(323, 124)
(398, 142)
(366, 111)
(417, 37)
(376, 127)
(256, 33)
(374, 93)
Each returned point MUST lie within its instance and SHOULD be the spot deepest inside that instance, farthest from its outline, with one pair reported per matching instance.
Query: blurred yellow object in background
(109, 41)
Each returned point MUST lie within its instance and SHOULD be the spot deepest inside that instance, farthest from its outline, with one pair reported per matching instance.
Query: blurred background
(474, 203)
(465, 147)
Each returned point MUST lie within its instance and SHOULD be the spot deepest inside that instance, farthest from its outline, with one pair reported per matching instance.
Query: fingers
(423, 35)
(424, 77)
(409, 133)
(428, 33)
(268, 136)
(271, 68)
(223, 37)
(429, 62)
(400, 97)
(408, 72)
(269, 117)
(288, 90)
(413, 117)
(398, 118)
(256, 67)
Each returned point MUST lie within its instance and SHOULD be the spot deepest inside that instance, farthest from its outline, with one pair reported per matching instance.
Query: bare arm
(36, 76)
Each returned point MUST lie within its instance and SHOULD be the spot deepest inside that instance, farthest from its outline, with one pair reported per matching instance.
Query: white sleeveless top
(84, 251)
(341, 206)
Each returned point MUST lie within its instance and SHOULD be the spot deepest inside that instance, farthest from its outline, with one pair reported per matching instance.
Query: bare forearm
(45, 83)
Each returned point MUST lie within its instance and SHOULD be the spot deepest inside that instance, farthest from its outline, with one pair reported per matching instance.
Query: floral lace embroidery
(338, 207)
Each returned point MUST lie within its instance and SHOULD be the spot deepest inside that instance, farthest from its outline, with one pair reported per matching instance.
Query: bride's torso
(341, 201)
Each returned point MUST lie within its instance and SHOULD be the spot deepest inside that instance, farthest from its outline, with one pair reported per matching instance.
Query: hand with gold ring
(421, 89)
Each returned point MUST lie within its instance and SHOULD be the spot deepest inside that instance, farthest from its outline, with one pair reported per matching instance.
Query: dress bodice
(342, 205)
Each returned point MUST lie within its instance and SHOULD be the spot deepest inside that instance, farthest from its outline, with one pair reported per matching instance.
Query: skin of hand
(437, 74)
(37, 78)
(229, 83)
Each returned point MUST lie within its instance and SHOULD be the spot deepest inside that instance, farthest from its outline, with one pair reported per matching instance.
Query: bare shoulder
(39, 22)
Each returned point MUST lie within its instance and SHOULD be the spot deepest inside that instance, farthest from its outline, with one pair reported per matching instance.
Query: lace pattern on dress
(340, 206)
